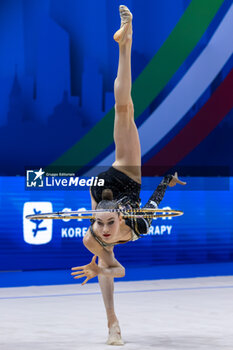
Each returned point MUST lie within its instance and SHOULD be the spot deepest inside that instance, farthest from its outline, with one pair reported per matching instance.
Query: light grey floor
(166, 314)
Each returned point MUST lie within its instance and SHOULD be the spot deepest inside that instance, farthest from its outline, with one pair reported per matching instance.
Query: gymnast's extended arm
(107, 256)
(110, 267)
(142, 225)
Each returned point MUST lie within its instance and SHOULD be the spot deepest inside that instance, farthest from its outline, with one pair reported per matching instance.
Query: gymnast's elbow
(122, 272)
(87, 241)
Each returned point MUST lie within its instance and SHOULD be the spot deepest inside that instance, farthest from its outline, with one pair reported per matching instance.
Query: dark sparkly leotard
(127, 192)
(120, 184)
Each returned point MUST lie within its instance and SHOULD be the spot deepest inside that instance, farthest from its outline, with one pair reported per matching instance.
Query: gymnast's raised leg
(128, 150)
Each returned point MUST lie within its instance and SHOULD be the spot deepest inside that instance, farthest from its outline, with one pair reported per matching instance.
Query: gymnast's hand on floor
(175, 181)
(89, 271)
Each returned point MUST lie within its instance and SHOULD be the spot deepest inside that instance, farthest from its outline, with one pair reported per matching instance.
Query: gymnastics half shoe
(125, 30)
(114, 336)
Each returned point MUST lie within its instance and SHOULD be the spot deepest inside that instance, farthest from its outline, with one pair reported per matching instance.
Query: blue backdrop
(202, 234)
(58, 62)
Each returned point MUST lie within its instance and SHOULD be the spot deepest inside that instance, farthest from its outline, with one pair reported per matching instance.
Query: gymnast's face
(107, 226)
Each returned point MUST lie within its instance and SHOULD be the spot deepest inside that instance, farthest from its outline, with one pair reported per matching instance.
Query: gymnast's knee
(125, 108)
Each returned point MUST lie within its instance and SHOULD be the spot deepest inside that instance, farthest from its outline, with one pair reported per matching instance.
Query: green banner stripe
(150, 82)
(174, 52)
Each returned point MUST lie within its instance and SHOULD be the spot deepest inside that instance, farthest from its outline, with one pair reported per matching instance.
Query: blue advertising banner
(203, 234)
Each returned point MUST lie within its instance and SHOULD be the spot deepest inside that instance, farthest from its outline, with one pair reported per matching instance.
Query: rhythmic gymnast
(121, 189)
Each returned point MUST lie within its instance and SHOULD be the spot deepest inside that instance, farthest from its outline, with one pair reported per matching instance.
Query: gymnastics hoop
(90, 214)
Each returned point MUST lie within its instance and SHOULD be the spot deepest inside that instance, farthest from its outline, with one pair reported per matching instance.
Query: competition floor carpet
(192, 313)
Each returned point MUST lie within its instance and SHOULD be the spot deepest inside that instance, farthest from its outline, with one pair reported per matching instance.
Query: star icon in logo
(39, 174)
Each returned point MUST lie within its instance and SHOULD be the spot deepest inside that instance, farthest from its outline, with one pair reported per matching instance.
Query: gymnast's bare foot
(125, 31)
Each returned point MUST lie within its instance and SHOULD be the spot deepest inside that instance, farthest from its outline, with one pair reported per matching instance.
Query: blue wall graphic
(57, 68)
